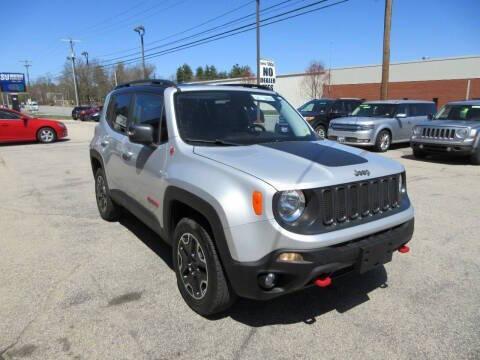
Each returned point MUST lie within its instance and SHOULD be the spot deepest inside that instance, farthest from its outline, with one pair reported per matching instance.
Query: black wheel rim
(101, 192)
(192, 266)
(320, 132)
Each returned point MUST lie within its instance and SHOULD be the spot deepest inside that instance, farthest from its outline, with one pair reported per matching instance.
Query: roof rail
(153, 82)
(251, 86)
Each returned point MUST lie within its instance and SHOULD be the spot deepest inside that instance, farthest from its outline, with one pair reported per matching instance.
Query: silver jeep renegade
(251, 201)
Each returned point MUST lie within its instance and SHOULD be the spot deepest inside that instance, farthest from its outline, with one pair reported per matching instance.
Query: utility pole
(72, 58)
(386, 49)
(85, 53)
(27, 64)
(141, 31)
(115, 75)
(258, 42)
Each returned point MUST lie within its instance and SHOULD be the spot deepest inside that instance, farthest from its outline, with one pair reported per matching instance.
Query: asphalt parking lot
(75, 287)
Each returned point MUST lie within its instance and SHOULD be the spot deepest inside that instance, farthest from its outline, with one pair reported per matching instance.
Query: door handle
(127, 155)
(104, 143)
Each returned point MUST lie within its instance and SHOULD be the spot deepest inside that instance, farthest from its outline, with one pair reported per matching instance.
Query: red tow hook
(323, 282)
(403, 249)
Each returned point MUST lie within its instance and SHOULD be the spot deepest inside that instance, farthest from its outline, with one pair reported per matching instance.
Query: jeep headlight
(291, 204)
(417, 130)
(462, 133)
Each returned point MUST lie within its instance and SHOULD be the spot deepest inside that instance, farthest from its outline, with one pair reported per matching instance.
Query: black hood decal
(321, 154)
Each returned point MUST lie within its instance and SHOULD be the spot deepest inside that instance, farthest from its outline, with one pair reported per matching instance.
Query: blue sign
(12, 82)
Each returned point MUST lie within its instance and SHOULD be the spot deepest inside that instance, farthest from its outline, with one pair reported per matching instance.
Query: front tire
(321, 131)
(108, 210)
(475, 157)
(383, 141)
(46, 135)
(200, 277)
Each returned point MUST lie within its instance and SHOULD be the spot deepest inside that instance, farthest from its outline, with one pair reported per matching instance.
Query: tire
(200, 277)
(46, 135)
(321, 131)
(108, 210)
(419, 154)
(475, 157)
(383, 141)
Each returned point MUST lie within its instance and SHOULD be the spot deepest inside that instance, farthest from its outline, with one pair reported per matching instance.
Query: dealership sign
(267, 73)
(12, 82)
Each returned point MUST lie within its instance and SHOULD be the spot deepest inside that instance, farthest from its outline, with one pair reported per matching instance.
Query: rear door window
(118, 112)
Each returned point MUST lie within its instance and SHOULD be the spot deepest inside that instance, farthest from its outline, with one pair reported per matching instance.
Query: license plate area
(372, 256)
(341, 139)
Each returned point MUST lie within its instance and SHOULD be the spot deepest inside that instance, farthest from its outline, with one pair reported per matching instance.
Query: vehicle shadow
(441, 159)
(150, 238)
(305, 306)
(30, 143)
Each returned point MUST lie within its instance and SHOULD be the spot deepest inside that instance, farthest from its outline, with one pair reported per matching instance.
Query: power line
(184, 31)
(235, 31)
(202, 32)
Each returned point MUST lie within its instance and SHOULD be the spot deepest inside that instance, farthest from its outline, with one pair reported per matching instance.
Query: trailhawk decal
(321, 154)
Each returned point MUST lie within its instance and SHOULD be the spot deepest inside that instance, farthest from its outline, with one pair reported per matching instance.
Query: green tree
(184, 73)
(240, 71)
(199, 73)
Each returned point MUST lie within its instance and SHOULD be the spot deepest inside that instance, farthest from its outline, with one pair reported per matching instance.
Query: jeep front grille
(354, 201)
(438, 133)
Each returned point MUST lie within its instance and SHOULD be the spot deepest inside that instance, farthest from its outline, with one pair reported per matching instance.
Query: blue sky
(343, 35)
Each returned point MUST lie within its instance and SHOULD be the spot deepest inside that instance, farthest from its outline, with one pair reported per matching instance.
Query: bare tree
(312, 84)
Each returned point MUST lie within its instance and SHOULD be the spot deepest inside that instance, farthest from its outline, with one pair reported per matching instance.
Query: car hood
(302, 164)
(353, 120)
(451, 123)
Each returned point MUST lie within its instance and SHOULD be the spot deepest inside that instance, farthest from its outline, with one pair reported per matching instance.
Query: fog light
(267, 281)
(290, 257)
(420, 146)
(449, 149)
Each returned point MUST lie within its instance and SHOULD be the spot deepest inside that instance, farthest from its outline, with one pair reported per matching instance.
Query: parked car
(90, 113)
(319, 112)
(31, 106)
(17, 127)
(381, 123)
(455, 130)
(77, 109)
(250, 210)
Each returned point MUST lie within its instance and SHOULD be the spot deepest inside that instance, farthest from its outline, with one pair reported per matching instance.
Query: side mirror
(25, 118)
(401, 116)
(141, 134)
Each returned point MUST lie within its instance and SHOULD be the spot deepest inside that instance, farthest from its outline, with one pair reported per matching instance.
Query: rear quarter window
(118, 112)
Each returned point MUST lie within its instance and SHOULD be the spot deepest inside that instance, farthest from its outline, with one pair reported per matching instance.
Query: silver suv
(253, 204)
(455, 130)
(381, 123)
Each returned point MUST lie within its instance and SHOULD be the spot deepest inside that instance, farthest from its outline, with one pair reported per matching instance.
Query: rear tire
(383, 141)
(46, 135)
(200, 277)
(475, 157)
(108, 210)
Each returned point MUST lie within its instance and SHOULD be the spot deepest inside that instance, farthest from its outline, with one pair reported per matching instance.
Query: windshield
(459, 112)
(375, 110)
(315, 105)
(238, 118)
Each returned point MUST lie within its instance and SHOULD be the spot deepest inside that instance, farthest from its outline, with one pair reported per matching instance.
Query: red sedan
(15, 127)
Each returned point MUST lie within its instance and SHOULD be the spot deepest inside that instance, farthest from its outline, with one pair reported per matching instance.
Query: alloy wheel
(47, 135)
(101, 192)
(320, 132)
(192, 266)
(385, 141)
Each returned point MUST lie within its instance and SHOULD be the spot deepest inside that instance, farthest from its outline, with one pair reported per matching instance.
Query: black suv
(319, 112)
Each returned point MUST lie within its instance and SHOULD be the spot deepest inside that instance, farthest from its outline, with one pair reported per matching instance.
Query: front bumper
(332, 260)
(443, 148)
(358, 138)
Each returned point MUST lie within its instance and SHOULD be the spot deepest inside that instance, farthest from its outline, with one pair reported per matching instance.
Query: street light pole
(141, 31)
(258, 42)
(27, 64)
(386, 50)
(85, 53)
(72, 58)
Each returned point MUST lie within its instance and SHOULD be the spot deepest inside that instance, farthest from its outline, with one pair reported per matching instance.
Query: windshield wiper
(216, 142)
